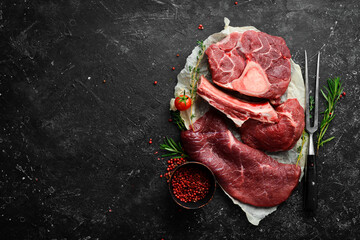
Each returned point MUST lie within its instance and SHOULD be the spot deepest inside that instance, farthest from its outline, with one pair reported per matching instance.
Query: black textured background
(75, 157)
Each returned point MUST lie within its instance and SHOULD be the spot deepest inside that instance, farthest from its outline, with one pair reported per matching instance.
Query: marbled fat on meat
(252, 63)
(245, 173)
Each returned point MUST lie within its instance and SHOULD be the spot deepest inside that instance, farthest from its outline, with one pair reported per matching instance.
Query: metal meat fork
(310, 183)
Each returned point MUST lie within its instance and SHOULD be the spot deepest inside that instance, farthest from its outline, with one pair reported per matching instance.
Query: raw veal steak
(235, 109)
(252, 63)
(280, 136)
(245, 173)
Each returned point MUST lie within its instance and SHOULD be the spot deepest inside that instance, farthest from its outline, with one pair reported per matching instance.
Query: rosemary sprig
(175, 149)
(178, 120)
(333, 92)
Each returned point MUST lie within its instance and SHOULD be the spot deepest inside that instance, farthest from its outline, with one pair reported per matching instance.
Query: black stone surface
(75, 157)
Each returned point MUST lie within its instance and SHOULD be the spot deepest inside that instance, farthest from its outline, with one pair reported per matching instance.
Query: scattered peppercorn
(171, 165)
(173, 68)
(344, 93)
(155, 82)
(161, 175)
(236, 3)
(104, 81)
(110, 210)
(170, 120)
(340, 96)
(177, 55)
(190, 184)
(150, 141)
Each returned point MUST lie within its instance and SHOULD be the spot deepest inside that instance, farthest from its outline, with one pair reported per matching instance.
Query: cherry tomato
(183, 102)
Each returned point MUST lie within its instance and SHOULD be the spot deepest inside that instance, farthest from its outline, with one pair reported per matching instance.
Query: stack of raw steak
(257, 65)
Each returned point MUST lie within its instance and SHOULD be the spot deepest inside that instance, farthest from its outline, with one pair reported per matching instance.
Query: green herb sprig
(300, 148)
(178, 120)
(175, 149)
(311, 104)
(195, 71)
(333, 93)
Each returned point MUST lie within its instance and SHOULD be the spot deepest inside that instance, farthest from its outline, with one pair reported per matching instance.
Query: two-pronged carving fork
(310, 182)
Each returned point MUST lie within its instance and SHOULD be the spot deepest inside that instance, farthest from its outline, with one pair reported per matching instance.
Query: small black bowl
(204, 201)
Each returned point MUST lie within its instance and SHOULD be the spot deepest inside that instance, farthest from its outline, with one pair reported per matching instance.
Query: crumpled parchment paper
(296, 89)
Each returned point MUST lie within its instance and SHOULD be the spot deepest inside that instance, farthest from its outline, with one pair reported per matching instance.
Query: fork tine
(316, 113)
(307, 93)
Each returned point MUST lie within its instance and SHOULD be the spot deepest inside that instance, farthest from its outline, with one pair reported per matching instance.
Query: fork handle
(310, 184)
